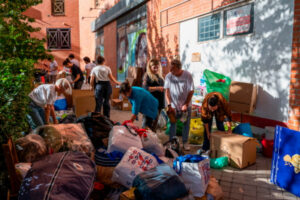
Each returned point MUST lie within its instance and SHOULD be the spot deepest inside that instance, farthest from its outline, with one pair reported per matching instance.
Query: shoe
(186, 147)
(206, 153)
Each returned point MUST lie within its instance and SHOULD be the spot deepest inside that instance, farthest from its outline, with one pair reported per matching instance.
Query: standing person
(100, 81)
(214, 104)
(153, 81)
(42, 100)
(53, 68)
(142, 101)
(77, 75)
(73, 60)
(88, 68)
(179, 88)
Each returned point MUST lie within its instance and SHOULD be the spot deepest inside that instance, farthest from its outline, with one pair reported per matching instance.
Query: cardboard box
(239, 149)
(126, 105)
(242, 97)
(83, 102)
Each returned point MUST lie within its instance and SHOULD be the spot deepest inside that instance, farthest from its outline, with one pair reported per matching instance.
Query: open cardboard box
(240, 150)
(83, 102)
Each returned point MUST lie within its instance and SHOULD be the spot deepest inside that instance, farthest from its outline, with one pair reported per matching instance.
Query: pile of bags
(130, 158)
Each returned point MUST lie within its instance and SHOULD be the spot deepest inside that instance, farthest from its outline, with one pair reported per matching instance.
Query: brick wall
(110, 46)
(294, 113)
(44, 19)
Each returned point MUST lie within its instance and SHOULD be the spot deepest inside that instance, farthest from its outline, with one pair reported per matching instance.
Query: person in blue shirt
(142, 101)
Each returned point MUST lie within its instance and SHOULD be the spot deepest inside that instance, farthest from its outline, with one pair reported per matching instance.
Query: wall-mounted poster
(239, 20)
(163, 61)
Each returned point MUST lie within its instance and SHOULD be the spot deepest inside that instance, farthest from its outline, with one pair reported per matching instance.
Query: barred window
(59, 38)
(58, 7)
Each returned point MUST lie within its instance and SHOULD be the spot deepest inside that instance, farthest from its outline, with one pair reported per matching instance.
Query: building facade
(254, 41)
(66, 27)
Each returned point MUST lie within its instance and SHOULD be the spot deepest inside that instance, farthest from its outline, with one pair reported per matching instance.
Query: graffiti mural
(132, 50)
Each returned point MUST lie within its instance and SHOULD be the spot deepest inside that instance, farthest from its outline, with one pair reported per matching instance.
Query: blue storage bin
(61, 104)
(285, 171)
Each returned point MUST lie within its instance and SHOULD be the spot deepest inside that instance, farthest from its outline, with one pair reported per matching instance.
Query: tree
(18, 54)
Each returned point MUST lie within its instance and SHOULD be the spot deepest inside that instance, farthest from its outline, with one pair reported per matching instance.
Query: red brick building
(247, 40)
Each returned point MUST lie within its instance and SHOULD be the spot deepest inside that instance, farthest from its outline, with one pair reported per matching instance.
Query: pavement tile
(249, 198)
(236, 196)
(277, 194)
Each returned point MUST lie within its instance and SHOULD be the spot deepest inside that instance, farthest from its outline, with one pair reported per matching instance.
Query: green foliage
(18, 54)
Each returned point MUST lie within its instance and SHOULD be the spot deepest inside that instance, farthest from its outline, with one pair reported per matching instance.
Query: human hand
(229, 131)
(184, 108)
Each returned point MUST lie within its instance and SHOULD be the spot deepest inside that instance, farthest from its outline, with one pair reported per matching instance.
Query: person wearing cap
(42, 99)
(214, 105)
(179, 88)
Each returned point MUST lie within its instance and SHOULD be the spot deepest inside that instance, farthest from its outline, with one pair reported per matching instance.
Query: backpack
(97, 127)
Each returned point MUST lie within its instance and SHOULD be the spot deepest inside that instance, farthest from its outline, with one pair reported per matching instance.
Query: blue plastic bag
(243, 129)
(61, 104)
(285, 171)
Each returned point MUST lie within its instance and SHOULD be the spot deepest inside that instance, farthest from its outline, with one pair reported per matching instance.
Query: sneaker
(206, 153)
(186, 147)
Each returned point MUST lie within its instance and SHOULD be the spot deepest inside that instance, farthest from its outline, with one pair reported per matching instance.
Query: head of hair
(50, 58)
(152, 76)
(213, 101)
(65, 63)
(71, 56)
(100, 60)
(87, 59)
(65, 85)
(125, 87)
(176, 63)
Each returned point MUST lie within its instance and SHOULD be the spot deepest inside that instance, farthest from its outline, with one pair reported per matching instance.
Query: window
(209, 27)
(96, 3)
(231, 22)
(58, 7)
(238, 21)
(59, 38)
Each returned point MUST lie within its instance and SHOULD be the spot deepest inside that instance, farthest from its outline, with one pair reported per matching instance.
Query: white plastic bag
(133, 163)
(194, 170)
(121, 139)
(151, 143)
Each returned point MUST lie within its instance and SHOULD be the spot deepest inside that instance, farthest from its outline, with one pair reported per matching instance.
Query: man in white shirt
(73, 60)
(53, 68)
(42, 100)
(179, 88)
(88, 68)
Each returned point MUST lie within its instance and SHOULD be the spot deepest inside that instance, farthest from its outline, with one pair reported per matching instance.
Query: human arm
(49, 110)
(169, 101)
(157, 88)
(88, 71)
(112, 78)
(92, 82)
(229, 131)
(187, 101)
(76, 79)
(207, 130)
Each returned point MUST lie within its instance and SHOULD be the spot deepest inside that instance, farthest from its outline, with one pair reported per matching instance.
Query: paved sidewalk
(251, 183)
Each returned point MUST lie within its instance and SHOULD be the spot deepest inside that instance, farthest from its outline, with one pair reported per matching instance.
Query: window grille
(209, 27)
(59, 38)
(58, 7)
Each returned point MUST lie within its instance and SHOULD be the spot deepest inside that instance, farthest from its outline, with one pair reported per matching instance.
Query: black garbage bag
(159, 183)
(64, 175)
(97, 127)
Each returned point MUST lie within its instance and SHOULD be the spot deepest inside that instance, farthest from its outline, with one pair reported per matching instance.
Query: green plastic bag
(179, 127)
(216, 82)
(218, 163)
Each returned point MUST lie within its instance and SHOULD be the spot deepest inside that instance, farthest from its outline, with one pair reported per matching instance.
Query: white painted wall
(262, 58)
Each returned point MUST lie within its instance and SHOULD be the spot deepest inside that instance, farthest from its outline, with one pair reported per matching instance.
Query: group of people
(176, 90)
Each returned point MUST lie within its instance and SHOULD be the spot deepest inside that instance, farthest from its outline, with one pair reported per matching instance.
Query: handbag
(194, 171)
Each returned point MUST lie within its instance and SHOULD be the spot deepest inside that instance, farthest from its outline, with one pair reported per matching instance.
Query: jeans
(186, 126)
(103, 91)
(37, 115)
(220, 127)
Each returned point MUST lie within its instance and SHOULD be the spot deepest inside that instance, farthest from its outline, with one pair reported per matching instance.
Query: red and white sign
(238, 20)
